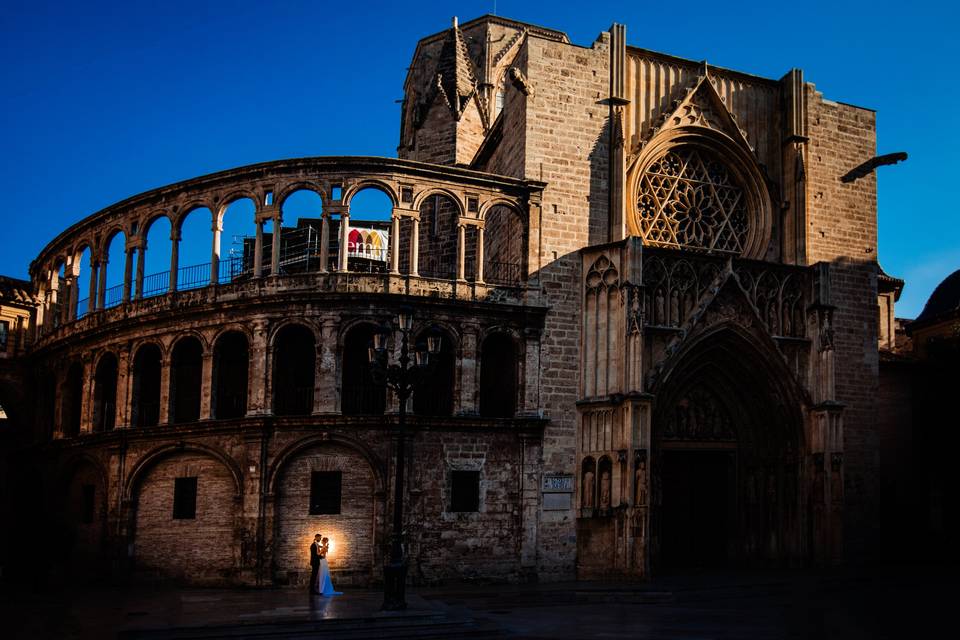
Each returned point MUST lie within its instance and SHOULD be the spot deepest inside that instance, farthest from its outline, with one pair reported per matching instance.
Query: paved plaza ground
(901, 602)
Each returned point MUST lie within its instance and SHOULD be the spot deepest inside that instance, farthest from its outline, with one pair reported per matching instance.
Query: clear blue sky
(101, 101)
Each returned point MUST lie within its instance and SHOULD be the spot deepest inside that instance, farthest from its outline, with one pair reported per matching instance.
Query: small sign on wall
(557, 492)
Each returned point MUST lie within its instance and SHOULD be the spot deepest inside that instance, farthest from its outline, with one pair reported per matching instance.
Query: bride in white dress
(324, 583)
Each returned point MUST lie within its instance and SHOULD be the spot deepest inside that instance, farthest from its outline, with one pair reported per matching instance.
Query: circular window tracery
(687, 199)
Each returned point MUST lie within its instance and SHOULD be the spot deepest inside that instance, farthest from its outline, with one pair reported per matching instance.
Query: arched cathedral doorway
(726, 434)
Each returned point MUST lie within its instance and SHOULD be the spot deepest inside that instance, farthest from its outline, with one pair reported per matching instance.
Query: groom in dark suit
(314, 563)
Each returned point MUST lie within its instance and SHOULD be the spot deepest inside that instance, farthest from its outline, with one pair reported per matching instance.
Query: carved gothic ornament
(697, 185)
(688, 199)
(699, 415)
(679, 288)
(602, 274)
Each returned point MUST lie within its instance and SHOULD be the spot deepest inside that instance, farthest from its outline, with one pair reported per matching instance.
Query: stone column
(534, 238)
(122, 418)
(324, 242)
(128, 273)
(479, 260)
(59, 373)
(69, 308)
(395, 244)
(258, 251)
(531, 372)
(415, 247)
(275, 254)
(86, 396)
(165, 389)
(174, 258)
(342, 258)
(530, 448)
(326, 397)
(102, 287)
(468, 370)
(92, 296)
(217, 229)
(461, 252)
(631, 484)
(206, 385)
(141, 265)
(257, 378)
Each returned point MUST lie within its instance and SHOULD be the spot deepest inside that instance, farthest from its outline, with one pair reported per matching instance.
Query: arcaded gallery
(637, 296)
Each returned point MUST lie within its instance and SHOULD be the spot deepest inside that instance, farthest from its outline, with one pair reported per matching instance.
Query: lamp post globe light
(403, 377)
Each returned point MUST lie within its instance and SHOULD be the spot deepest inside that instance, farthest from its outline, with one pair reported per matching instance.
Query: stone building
(657, 302)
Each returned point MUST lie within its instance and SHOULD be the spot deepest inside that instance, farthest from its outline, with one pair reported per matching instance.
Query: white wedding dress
(324, 583)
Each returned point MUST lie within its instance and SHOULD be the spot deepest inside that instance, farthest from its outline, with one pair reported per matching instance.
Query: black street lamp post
(403, 378)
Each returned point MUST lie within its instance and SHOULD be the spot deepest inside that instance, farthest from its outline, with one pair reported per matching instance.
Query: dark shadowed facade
(658, 309)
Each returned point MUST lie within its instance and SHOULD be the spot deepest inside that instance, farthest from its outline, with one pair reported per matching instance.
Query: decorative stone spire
(455, 76)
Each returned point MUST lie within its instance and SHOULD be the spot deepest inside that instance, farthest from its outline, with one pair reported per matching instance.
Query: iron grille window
(87, 495)
(325, 492)
(4, 332)
(185, 498)
(465, 491)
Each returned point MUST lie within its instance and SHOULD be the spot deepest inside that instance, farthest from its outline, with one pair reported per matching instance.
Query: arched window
(231, 359)
(186, 366)
(85, 282)
(368, 243)
(434, 396)
(360, 394)
(438, 237)
(146, 386)
(105, 393)
(71, 404)
(237, 240)
(155, 279)
(193, 266)
(300, 236)
(689, 199)
(294, 371)
(503, 247)
(114, 267)
(498, 376)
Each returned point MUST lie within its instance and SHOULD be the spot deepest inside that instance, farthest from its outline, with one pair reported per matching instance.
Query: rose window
(689, 200)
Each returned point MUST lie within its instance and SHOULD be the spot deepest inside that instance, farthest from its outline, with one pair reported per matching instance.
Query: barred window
(4, 333)
(688, 199)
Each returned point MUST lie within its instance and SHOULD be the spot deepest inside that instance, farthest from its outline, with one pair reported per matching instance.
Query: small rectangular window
(325, 492)
(336, 192)
(268, 198)
(185, 498)
(87, 495)
(4, 333)
(472, 205)
(465, 491)
(406, 194)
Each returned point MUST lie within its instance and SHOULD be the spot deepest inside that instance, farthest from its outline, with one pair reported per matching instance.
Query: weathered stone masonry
(662, 250)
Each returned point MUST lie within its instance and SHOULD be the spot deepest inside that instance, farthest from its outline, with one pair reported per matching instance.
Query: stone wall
(352, 531)
(566, 147)
(842, 230)
(201, 549)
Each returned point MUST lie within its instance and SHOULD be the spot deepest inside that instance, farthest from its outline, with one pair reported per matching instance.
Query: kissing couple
(320, 582)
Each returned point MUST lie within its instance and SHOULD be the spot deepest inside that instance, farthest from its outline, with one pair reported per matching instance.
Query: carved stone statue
(605, 490)
(640, 495)
(674, 308)
(658, 311)
(589, 490)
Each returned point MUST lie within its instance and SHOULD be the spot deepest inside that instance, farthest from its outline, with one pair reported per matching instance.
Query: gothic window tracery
(688, 199)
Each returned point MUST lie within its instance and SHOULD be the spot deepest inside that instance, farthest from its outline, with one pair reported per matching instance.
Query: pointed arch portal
(727, 436)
